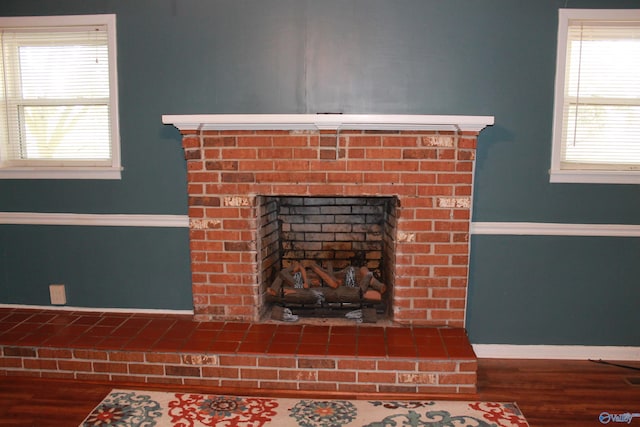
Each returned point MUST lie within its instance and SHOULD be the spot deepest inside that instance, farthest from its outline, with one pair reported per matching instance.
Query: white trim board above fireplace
(327, 122)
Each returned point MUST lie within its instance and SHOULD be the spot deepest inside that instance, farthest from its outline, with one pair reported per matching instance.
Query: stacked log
(308, 283)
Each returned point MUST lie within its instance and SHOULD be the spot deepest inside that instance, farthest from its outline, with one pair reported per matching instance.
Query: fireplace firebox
(327, 256)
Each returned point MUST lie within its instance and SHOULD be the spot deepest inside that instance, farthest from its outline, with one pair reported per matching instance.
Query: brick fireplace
(424, 163)
(392, 194)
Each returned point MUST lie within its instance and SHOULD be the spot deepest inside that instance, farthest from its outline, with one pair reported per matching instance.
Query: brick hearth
(162, 349)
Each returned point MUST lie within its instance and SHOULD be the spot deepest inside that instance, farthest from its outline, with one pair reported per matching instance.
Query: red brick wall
(248, 371)
(431, 173)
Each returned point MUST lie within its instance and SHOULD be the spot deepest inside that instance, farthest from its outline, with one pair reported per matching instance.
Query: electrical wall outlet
(58, 294)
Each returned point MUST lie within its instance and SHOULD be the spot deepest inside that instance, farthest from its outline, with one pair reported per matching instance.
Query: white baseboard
(99, 310)
(568, 352)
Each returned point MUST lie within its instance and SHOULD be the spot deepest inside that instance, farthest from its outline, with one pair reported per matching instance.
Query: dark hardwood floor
(561, 393)
(549, 393)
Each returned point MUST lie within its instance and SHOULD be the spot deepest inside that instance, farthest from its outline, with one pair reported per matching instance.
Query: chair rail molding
(110, 220)
(554, 229)
(182, 221)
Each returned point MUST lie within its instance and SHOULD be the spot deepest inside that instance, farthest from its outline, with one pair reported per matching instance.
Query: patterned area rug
(124, 408)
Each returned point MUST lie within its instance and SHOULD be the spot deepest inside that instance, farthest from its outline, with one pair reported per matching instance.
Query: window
(596, 133)
(58, 112)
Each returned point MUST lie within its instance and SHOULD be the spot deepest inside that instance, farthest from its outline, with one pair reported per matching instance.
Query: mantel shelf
(327, 122)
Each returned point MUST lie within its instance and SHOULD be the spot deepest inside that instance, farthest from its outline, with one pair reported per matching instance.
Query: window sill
(61, 173)
(594, 177)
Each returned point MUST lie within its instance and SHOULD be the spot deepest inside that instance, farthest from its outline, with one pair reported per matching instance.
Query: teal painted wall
(124, 267)
(554, 290)
(470, 57)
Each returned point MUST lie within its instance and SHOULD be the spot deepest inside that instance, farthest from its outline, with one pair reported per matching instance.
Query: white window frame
(70, 169)
(558, 173)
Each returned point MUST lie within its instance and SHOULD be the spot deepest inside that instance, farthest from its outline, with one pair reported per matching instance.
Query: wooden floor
(549, 393)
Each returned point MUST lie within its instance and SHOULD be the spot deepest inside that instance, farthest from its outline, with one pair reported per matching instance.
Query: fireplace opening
(326, 257)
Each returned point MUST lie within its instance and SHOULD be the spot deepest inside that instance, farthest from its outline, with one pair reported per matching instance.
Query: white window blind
(58, 108)
(598, 102)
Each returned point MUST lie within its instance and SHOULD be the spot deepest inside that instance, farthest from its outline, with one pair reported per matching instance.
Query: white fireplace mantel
(327, 122)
